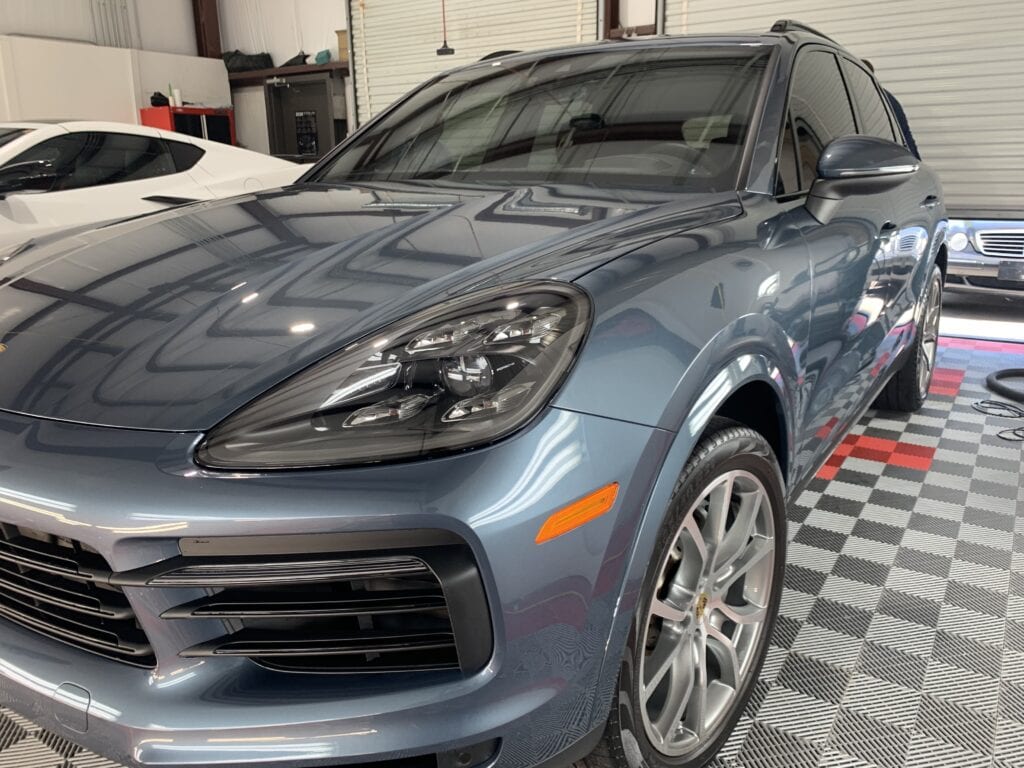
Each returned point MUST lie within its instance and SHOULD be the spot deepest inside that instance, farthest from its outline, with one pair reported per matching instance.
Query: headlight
(958, 241)
(463, 373)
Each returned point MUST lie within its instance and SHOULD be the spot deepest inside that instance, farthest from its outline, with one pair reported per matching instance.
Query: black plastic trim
(271, 605)
(468, 610)
(92, 604)
(252, 643)
(48, 559)
(442, 552)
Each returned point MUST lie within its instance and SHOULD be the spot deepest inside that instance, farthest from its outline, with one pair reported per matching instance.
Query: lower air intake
(57, 587)
(407, 610)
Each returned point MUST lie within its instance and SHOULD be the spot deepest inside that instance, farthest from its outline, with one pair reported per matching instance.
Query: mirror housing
(857, 165)
(28, 176)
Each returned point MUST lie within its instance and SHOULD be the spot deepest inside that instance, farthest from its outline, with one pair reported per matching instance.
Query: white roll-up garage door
(395, 42)
(957, 67)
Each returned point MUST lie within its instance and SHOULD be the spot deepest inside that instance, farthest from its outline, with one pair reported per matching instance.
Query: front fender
(680, 326)
(719, 386)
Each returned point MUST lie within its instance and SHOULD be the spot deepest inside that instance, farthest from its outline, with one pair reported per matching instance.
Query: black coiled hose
(996, 383)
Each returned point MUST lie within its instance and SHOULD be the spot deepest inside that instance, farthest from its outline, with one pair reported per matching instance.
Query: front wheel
(709, 604)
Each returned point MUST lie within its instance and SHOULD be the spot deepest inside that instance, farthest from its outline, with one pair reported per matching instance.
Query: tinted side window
(93, 159)
(874, 119)
(820, 107)
(185, 155)
(61, 151)
(8, 135)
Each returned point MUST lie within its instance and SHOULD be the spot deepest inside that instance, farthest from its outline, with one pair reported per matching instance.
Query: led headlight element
(463, 373)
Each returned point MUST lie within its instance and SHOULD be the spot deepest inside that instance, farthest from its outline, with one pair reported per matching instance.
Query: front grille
(58, 587)
(382, 611)
(1005, 244)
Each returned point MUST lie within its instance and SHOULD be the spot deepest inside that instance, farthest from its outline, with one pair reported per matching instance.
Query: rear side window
(820, 108)
(91, 159)
(185, 155)
(8, 135)
(873, 117)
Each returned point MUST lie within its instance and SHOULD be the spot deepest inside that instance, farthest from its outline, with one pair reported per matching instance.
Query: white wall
(636, 13)
(51, 79)
(281, 28)
(201, 81)
(251, 118)
(71, 19)
(166, 25)
(57, 79)
(153, 25)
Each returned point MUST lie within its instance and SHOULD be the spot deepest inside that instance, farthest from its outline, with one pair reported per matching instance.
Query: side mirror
(857, 165)
(28, 176)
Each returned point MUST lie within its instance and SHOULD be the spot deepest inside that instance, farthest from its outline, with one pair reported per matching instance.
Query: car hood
(173, 320)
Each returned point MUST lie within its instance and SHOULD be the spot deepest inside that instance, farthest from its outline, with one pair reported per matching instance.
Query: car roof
(792, 36)
(80, 125)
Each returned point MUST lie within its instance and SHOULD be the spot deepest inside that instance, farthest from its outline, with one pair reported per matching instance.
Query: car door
(849, 259)
(916, 203)
(99, 176)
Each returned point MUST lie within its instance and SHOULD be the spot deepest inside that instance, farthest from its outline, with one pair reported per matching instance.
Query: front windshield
(666, 116)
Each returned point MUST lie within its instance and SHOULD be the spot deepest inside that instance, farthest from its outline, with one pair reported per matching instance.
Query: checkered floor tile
(900, 642)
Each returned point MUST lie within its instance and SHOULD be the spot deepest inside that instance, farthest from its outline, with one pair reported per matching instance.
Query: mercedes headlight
(460, 374)
(956, 235)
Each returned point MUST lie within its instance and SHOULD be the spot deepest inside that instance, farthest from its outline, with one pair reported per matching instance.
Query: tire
(729, 460)
(907, 390)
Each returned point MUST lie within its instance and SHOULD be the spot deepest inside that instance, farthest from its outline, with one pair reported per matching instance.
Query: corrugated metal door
(395, 42)
(957, 68)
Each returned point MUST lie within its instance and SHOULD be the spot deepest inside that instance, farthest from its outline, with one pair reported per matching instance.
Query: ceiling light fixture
(445, 49)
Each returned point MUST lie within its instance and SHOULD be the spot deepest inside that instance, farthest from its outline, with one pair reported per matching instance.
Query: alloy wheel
(929, 336)
(708, 614)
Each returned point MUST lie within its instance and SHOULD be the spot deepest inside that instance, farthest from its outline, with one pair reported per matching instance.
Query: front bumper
(975, 273)
(132, 496)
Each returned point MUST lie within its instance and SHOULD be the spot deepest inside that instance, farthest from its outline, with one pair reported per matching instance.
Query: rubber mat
(901, 636)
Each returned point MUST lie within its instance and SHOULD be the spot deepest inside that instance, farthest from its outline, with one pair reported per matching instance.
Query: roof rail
(791, 25)
(498, 55)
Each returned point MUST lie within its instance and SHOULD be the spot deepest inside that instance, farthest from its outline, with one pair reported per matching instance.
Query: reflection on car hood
(174, 320)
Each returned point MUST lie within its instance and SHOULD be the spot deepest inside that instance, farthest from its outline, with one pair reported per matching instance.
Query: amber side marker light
(580, 512)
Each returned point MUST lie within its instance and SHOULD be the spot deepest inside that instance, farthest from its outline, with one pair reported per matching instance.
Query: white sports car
(65, 174)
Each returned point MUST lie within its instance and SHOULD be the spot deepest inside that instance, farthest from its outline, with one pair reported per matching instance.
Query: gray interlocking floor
(901, 639)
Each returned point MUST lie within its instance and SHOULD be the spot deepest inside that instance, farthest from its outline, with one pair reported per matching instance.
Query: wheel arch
(942, 260)
(750, 389)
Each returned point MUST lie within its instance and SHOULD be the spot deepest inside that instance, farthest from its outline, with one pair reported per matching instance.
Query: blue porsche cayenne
(473, 448)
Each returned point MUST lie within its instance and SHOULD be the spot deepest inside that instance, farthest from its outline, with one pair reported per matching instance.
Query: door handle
(931, 201)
